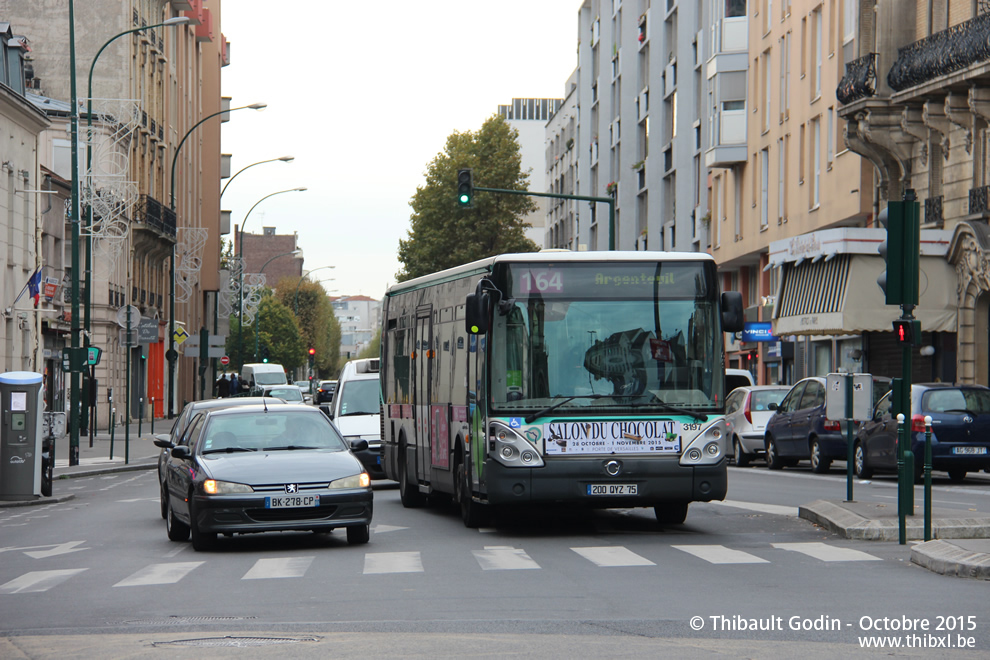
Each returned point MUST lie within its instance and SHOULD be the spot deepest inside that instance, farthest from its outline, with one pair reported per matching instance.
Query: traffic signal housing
(901, 252)
(312, 356)
(465, 188)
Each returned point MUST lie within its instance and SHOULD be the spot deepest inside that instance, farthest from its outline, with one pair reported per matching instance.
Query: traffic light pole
(604, 200)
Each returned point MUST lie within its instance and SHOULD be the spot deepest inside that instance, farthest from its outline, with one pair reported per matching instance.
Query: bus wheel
(671, 513)
(408, 493)
(473, 513)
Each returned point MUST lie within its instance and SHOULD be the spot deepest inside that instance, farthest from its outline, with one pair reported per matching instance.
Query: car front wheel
(774, 461)
(862, 470)
(200, 540)
(819, 464)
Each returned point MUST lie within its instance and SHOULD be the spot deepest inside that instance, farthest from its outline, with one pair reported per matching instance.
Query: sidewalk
(967, 555)
(127, 451)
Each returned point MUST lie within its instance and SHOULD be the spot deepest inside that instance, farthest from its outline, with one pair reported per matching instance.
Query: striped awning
(840, 296)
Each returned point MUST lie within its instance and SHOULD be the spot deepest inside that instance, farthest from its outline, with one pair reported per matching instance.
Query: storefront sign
(761, 331)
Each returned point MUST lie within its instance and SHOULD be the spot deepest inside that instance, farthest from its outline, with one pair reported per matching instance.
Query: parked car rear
(747, 410)
(960, 431)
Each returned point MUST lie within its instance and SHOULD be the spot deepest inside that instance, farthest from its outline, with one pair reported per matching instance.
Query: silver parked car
(747, 410)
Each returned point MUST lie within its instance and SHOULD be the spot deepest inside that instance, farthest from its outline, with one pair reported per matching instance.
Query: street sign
(93, 355)
(225, 360)
(147, 331)
(122, 316)
(180, 335)
(835, 396)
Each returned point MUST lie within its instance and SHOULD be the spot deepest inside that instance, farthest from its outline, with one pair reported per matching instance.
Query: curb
(852, 526)
(8, 504)
(948, 559)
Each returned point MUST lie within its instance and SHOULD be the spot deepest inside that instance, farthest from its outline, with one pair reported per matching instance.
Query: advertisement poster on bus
(613, 437)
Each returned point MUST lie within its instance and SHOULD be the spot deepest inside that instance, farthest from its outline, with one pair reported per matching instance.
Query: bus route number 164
(541, 281)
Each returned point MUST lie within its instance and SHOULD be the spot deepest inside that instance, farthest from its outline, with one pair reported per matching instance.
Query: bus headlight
(510, 448)
(709, 446)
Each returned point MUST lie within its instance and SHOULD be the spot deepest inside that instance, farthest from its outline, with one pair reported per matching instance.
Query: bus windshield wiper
(553, 406)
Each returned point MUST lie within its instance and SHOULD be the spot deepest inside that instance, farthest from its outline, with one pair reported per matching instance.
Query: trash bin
(20, 435)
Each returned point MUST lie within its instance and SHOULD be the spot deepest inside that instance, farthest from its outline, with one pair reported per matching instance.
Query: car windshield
(270, 378)
(258, 431)
(974, 401)
(359, 397)
(762, 399)
(648, 336)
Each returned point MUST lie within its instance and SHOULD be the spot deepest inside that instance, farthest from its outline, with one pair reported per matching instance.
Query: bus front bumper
(569, 480)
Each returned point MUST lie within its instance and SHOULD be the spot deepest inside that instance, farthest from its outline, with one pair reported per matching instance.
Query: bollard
(928, 477)
(113, 425)
(901, 485)
(152, 415)
(140, 414)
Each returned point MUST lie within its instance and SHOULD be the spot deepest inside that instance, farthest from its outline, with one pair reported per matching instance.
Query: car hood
(362, 425)
(285, 466)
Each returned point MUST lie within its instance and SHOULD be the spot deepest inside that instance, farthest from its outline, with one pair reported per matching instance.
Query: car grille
(280, 488)
(284, 515)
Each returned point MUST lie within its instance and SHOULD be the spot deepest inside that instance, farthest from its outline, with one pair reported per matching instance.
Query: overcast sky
(364, 96)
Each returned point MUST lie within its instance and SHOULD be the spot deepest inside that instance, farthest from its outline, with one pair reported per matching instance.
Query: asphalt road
(97, 576)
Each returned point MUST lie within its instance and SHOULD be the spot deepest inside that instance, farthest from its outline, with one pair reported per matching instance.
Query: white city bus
(583, 378)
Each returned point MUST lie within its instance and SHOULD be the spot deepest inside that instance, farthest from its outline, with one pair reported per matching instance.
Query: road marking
(826, 552)
(775, 509)
(159, 574)
(503, 558)
(38, 581)
(379, 529)
(392, 562)
(54, 549)
(613, 556)
(279, 567)
(719, 554)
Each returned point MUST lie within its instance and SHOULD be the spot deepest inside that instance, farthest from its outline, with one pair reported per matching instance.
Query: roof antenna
(264, 402)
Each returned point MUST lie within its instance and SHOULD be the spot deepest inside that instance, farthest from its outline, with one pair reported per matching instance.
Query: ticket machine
(20, 435)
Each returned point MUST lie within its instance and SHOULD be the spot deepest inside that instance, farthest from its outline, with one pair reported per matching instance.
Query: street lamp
(295, 305)
(172, 355)
(88, 300)
(257, 320)
(240, 254)
(284, 159)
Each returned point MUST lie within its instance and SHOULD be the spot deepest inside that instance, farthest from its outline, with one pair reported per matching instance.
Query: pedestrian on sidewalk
(235, 384)
(223, 387)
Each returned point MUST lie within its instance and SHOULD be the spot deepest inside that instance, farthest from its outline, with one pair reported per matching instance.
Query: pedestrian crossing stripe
(490, 558)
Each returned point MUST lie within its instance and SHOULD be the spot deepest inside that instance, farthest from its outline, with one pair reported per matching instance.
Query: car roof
(282, 408)
(228, 402)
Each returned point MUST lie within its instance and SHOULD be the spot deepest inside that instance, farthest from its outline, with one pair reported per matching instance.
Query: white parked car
(288, 393)
(747, 410)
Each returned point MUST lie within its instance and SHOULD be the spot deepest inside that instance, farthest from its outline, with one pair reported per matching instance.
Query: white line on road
(503, 558)
(826, 552)
(719, 554)
(38, 581)
(762, 508)
(278, 567)
(613, 556)
(159, 574)
(392, 562)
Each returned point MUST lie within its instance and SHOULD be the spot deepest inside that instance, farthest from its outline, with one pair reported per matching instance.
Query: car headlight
(355, 481)
(214, 487)
(709, 446)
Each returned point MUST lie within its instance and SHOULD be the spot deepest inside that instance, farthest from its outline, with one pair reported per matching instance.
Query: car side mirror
(325, 409)
(359, 445)
(181, 452)
(163, 441)
(772, 406)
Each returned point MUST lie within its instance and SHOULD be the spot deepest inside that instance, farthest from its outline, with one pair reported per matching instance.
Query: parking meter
(20, 435)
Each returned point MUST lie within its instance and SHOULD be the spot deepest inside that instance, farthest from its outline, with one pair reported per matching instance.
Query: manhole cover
(237, 642)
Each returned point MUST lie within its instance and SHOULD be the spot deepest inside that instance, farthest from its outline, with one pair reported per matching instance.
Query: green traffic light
(465, 199)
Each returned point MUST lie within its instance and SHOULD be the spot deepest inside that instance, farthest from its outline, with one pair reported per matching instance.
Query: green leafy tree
(443, 235)
(279, 332)
(317, 322)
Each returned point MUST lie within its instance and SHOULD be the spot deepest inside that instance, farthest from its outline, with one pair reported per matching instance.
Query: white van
(256, 374)
(356, 411)
(737, 378)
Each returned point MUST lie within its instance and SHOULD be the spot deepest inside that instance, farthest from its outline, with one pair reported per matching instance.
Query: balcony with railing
(941, 54)
(156, 216)
(978, 201)
(860, 80)
(933, 212)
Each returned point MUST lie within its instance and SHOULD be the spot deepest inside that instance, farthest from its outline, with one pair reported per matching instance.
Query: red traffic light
(312, 351)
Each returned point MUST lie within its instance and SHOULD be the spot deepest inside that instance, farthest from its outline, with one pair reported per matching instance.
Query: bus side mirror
(732, 312)
(476, 313)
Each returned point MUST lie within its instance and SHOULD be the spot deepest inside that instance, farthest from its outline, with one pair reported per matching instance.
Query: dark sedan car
(799, 430)
(177, 436)
(960, 431)
(325, 391)
(262, 469)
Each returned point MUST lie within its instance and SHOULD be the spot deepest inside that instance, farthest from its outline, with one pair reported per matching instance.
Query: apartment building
(270, 253)
(637, 137)
(915, 101)
(563, 216)
(529, 117)
(156, 220)
(360, 320)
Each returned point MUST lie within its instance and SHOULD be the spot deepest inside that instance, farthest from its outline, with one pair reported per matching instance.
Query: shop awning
(840, 296)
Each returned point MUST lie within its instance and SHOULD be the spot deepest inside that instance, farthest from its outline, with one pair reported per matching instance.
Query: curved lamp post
(240, 254)
(284, 159)
(295, 305)
(88, 298)
(172, 355)
(257, 321)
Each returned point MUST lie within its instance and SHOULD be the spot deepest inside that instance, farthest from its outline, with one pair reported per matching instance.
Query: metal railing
(860, 80)
(940, 54)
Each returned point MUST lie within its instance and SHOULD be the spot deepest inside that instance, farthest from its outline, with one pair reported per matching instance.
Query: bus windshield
(638, 336)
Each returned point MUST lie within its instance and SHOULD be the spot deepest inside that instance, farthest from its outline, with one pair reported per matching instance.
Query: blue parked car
(798, 429)
(960, 431)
